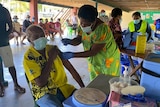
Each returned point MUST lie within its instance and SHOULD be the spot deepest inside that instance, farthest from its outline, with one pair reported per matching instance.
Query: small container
(118, 83)
(157, 47)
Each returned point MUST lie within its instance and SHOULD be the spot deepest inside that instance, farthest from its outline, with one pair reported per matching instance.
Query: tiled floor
(14, 99)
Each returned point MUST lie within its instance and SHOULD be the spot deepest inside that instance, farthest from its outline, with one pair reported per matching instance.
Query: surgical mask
(40, 43)
(103, 14)
(15, 20)
(136, 21)
(87, 29)
(120, 21)
(33, 20)
(27, 19)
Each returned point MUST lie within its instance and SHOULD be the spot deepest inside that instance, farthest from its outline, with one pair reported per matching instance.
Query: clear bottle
(126, 77)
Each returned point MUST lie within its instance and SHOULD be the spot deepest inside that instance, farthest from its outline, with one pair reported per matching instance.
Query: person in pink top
(58, 27)
(46, 24)
(52, 29)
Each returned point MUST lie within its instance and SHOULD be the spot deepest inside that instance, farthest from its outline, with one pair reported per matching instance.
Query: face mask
(27, 18)
(40, 43)
(15, 20)
(136, 21)
(33, 20)
(120, 21)
(87, 29)
(103, 14)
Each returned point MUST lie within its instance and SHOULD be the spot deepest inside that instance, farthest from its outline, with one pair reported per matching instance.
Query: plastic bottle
(126, 76)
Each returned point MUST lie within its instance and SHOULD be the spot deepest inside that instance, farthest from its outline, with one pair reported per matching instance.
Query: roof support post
(34, 10)
(96, 4)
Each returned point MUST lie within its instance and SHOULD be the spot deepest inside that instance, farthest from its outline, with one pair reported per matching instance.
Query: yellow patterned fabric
(34, 62)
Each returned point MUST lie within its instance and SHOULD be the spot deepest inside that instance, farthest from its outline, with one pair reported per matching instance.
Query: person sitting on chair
(44, 69)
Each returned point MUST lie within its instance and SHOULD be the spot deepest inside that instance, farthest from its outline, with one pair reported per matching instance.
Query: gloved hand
(67, 55)
(66, 41)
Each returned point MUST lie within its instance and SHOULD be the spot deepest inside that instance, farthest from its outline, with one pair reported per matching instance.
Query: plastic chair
(35, 104)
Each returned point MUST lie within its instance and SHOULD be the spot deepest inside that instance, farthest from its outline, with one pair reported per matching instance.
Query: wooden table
(131, 53)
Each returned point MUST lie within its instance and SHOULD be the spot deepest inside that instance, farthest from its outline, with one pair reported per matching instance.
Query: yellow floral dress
(106, 61)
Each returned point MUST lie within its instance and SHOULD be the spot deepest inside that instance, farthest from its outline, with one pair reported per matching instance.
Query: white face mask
(87, 29)
(15, 20)
(28, 19)
(136, 21)
(120, 21)
(40, 43)
(103, 14)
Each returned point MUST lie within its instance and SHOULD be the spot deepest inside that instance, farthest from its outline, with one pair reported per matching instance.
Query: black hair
(88, 12)
(116, 12)
(136, 14)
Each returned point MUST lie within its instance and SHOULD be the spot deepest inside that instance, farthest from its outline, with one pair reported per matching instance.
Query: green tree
(19, 6)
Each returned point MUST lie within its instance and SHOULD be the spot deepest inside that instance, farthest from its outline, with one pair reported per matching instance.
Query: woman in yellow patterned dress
(98, 42)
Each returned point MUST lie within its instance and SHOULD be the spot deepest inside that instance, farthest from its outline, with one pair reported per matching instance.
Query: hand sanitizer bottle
(126, 76)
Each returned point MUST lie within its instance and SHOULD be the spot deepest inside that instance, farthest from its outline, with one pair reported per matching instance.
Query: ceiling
(126, 5)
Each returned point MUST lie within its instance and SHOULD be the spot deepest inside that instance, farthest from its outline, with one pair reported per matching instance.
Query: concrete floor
(14, 99)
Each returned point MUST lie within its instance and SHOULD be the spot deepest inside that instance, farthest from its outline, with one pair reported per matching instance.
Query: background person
(5, 49)
(99, 45)
(33, 20)
(26, 24)
(52, 30)
(74, 21)
(17, 31)
(44, 69)
(103, 16)
(58, 27)
(115, 26)
(69, 27)
(139, 25)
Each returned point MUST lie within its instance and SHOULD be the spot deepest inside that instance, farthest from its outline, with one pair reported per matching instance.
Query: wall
(126, 18)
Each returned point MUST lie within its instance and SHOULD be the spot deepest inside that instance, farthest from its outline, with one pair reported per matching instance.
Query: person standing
(5, 49)
(52, 29)
(115, 26)
(41, 23)
(99, 45)
(46, 24)
(58, 27)
(74, 21)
